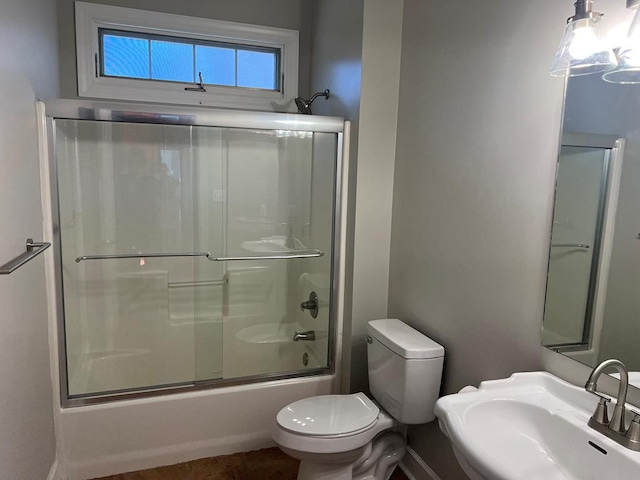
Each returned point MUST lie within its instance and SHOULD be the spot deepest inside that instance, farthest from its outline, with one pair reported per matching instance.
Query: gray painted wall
(28, 71)
(356, 54)
(379, 97)
(293, 14)
(336, 64)
(478, 133)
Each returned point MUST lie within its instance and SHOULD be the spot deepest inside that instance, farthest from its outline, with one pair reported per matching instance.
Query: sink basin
(531, 426)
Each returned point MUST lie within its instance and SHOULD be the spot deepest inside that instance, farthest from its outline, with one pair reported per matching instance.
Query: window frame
(91, 18)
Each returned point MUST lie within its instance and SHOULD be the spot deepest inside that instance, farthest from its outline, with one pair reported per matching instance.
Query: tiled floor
(267, 464)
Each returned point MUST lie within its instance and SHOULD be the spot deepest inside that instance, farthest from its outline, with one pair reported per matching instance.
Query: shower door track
(127, 112)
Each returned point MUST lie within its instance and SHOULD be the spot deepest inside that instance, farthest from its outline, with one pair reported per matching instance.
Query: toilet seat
(329, 415)
(334, 442)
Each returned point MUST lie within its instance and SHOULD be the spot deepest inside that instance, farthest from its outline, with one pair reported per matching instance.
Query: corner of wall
(379, 97)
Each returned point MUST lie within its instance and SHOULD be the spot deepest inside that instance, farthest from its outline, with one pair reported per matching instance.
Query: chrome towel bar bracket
(33, 249)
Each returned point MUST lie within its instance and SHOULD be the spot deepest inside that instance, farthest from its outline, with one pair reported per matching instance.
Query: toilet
(347, 437)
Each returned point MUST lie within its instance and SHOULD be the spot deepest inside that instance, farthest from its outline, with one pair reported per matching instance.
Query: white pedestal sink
(531, 426)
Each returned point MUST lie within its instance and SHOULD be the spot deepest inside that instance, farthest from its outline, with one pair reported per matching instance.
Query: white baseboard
(415, 468)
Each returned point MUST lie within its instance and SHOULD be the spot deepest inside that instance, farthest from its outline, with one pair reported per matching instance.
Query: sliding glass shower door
(186, 252)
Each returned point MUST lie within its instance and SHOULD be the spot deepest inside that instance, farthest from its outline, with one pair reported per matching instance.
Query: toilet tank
(405, 370)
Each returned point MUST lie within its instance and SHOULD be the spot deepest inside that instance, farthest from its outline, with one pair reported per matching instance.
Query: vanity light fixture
(628, 69)
(582, 50)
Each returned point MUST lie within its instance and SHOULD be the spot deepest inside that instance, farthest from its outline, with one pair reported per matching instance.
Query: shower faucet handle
(311, 304)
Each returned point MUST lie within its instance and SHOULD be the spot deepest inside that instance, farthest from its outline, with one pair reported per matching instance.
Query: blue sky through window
(172, 61)
(256, 69)
(152, 57)
(218, 65)
(125, 56)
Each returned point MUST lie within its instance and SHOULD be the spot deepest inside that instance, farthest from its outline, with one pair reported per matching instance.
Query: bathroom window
(133, 54)
(174, 59)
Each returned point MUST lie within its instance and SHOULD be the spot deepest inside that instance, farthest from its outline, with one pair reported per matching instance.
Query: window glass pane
(125, 56)
(218, 65)
(172, 61)
(257, 69)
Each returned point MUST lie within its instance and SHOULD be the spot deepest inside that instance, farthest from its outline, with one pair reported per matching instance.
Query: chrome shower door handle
(311, 304)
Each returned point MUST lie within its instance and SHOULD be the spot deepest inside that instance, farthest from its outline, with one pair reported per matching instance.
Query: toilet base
(375, 461)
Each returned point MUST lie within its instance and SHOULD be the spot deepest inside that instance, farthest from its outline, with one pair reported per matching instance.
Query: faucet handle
(636, 414)
(633, 434)
(603, 398)
(601, 415)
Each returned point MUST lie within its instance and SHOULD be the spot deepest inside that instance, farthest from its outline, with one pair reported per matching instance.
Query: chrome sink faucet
(615, 429)
(617, 420)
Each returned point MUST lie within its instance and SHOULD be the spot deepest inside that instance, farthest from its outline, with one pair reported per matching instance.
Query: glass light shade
(628, 70)
(582, 50)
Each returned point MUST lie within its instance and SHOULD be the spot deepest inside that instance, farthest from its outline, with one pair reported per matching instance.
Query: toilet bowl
(346, 437)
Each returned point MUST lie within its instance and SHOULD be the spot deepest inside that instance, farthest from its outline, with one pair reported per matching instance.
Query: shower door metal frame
(612, 148)
(128, 112)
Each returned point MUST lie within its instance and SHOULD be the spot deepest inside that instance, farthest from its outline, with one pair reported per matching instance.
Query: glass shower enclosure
(193, 247)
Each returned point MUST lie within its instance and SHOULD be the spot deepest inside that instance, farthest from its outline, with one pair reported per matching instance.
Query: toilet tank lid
(404, 340)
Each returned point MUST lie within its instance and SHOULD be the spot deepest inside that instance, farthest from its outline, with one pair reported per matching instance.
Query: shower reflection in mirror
(583, 218)
(592, 305)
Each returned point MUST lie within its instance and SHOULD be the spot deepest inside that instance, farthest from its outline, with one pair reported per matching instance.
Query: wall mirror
(592, 305)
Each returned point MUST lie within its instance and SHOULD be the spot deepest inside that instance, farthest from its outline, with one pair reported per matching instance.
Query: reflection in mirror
(592, 306)
(581, 187)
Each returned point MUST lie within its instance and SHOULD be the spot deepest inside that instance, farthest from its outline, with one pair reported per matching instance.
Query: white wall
(478, 131)
(293, 14)
(28, 70)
